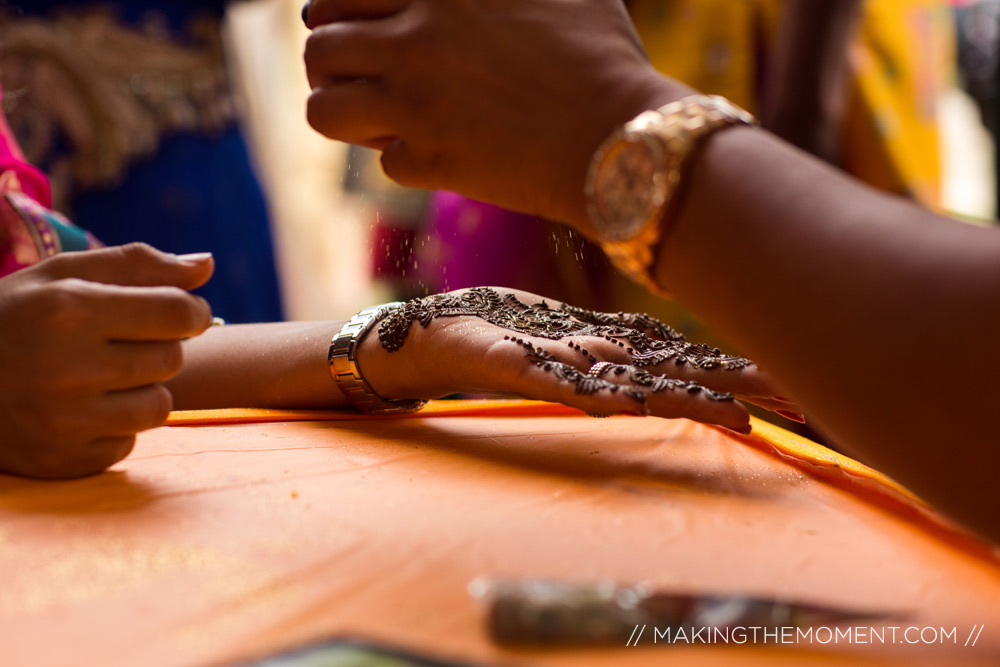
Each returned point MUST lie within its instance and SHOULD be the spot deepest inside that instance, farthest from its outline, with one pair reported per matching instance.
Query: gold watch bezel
(633, 160)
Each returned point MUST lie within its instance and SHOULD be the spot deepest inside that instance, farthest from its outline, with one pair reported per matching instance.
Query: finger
(671, 397)
(125, 413)
(321, 12)
(745, 381)
(67, 463)
(697, 403)
(602, 397)
(92, 435)
(748, 383)
(107, 366)
(125, 365)
(154, 314)
(413, 169)
(134, 264)
(115, 313)
(585, 351)
(624, 393)
(560, 383)
(353, 112)
(109, 451)
(348, 50)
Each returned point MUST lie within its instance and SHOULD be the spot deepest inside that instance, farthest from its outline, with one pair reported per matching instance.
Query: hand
(494, 340)
(501, 100)
(87, 340)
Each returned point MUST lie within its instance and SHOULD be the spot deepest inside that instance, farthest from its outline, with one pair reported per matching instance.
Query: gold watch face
(626, 187)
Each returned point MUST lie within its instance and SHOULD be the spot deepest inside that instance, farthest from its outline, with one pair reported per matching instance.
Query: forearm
(806, 71)
(878, 316)
(280, 365)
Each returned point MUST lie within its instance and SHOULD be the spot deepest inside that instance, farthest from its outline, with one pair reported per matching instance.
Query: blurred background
(341, 236)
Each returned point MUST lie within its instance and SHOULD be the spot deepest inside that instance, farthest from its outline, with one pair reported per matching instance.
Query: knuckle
(320, 115)
(55, 266)
(65, 264)
(64, 305)
(314, 49)
(415, 37)
(108, 451)
(415, 170)
(159, 403)
(171, 358)
(156, 362)
(334, 115)
(397, 164)
(138, 252)
(182, 310)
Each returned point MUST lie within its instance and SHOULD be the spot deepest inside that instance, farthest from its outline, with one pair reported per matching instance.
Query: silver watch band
(343, 359)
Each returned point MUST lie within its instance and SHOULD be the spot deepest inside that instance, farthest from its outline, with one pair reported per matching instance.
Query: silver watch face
(627, 185)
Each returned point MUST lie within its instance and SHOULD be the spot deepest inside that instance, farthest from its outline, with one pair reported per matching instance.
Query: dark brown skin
(386, 74)
(87, 341)
(880, 318)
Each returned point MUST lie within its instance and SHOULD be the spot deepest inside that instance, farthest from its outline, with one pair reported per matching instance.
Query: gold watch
(636, 173)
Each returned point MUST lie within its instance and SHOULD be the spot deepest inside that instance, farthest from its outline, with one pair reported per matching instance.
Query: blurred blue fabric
(197, 193)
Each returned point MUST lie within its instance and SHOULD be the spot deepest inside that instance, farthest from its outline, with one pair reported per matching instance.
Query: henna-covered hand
(491, 340)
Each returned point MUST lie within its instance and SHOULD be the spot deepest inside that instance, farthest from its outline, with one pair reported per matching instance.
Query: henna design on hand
(585, 384)
(647, 340)
(591, 384)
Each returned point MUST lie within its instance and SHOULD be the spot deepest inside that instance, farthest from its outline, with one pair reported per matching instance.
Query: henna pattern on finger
(591, 384)
(660, 383)
(585, 384)
(646, 340)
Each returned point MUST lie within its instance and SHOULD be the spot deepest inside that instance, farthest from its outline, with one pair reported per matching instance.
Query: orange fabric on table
(221, 541)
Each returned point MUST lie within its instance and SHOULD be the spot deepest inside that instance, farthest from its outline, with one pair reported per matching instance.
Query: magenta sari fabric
(29, 231)
(32, 182)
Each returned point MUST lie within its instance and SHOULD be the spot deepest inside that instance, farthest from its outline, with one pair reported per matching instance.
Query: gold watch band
(679, 126)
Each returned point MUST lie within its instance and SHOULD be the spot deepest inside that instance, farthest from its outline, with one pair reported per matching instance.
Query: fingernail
(194, 258)
(794, 416)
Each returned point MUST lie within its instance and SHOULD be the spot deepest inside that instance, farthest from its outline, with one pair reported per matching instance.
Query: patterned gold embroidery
(112, 91)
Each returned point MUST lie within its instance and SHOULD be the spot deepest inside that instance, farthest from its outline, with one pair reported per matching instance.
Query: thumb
(135, 264)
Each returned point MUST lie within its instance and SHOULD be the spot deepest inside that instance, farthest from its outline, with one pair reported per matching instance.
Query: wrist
(636, 179)
(351, 349)
(630, 96)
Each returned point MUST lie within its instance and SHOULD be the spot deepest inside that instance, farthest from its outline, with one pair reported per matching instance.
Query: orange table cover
(230, 536)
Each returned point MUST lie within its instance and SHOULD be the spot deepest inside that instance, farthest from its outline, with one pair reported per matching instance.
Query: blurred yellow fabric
(901, 59)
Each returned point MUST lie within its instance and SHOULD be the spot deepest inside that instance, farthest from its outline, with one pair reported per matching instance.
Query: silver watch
(343, 360)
